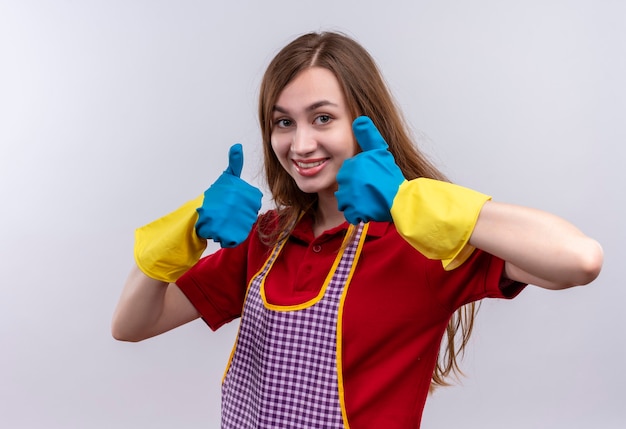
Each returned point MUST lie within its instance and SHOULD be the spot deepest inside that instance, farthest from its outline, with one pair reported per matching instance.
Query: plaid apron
(283, 372)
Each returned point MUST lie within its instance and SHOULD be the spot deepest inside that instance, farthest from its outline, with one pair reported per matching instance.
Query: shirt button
(317, 248)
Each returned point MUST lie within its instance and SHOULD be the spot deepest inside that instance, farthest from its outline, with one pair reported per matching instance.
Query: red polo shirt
(395, 313)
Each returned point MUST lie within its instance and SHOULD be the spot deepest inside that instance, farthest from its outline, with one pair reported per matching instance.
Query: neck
(327, 215)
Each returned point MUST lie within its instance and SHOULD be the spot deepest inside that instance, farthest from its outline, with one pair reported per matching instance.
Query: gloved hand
(437, 218)
(230, 205)
(166, 248)
(369, 181)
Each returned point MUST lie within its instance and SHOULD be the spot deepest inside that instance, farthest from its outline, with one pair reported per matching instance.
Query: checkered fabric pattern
(283, 373)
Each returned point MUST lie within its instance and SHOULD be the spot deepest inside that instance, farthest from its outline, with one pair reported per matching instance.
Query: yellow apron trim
(322, 291)
(275, 251)
(309, 303)
(342, 401)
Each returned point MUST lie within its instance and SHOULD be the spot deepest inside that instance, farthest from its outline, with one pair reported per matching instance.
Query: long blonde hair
(366, 94)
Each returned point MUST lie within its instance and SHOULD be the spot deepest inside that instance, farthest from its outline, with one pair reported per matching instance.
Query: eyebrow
(310, 108)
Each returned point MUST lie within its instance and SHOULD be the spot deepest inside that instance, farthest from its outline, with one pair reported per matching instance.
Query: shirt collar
(304, 230)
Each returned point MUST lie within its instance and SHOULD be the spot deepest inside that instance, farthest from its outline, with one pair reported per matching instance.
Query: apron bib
(285, 369)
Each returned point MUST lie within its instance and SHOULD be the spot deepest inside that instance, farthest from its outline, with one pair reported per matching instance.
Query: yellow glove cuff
(437, 218)
(166, 248)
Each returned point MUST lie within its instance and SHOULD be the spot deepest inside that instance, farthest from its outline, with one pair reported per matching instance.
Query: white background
(112, 113)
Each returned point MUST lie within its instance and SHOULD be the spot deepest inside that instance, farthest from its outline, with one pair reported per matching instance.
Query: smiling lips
(310, 167)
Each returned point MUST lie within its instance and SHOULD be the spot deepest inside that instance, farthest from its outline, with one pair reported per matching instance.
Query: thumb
(235, 160)
(367, 135)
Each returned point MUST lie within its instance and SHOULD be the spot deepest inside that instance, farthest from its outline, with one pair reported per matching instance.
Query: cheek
(355, 147)
(280, 145)
(350, 146)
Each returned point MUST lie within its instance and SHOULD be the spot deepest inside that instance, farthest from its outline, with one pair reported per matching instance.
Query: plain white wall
(112, 113)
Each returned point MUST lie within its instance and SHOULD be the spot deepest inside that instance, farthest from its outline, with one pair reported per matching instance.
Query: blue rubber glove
(369, 181)
(230, 205)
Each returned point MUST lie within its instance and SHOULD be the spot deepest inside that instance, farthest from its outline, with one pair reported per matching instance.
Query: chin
(309, 189)
(315, 185)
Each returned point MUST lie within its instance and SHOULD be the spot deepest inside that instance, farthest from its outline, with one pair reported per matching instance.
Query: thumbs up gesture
(369, 181)
(230, 206)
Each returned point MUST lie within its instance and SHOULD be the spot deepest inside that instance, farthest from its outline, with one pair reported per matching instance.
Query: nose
(303, 141)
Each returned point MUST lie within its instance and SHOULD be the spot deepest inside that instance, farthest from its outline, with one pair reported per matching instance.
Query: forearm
(446, 222)
(166, 248)
(149, 307)
(538, 247)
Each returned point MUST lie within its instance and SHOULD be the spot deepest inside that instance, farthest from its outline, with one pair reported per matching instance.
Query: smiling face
(312, 130)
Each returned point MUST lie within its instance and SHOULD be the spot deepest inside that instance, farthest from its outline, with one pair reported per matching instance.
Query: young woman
(346, 289)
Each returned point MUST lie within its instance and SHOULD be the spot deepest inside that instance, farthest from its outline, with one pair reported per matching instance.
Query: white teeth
(309, 164)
